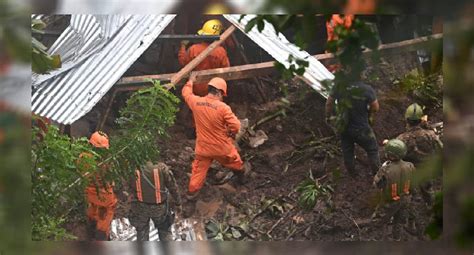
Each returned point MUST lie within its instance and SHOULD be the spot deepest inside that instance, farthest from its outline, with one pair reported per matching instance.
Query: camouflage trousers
(401, 213)
(140, 215)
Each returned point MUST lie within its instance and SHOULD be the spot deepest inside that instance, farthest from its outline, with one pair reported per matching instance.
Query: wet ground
(299, 144)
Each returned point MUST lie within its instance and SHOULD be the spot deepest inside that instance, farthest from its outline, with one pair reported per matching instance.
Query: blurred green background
(458, 63)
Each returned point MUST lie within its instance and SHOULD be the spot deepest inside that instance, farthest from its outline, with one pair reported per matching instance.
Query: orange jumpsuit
(360, 6)
(101, 202)
(336, 19)
(217, 59)
(214, 121)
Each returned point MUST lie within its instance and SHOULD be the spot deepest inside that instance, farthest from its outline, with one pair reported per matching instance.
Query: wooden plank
(227, 73)
(196, 61)
(265, 68)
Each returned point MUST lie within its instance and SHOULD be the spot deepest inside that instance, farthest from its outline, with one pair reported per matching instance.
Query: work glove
(184, 43)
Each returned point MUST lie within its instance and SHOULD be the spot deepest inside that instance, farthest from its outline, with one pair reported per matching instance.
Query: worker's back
(216, 59)
(211, 126)
(421, 143)
(358, 114)
(214, 119)
(399, 175)
(153, 184)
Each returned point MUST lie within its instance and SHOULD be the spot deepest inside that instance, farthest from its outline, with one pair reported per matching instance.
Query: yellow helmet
(211, 27)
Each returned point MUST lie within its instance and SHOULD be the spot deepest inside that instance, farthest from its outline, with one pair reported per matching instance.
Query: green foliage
(280, 23)
(311, 191)
(15, 184)
(348, 48)
(42, 62)
(14, 31)
(465, 236)
(296, 67)
(275, 207)
(54, 160)
(435, 228)
(425, 89)
(217, 231)
(144, 120)
(48, 227)
(59, 178)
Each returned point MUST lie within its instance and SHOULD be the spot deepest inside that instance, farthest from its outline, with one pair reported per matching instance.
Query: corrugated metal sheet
(280, 49)
(96, 51)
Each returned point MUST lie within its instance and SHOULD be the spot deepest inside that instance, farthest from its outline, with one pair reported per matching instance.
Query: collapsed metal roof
(96, 51)
(280, 48)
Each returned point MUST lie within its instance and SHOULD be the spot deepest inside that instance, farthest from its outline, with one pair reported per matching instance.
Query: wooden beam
(197, 60)
(265, 68)
(227, 73)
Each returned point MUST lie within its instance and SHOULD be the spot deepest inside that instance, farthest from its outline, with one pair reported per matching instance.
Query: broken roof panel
(280, 49)
(96, 50)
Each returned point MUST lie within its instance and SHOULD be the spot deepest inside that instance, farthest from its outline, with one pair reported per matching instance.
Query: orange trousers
(201, 165)
(101, 207)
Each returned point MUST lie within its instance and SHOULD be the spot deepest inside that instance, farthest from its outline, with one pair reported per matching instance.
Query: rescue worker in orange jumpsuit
(216, 127)
(337, 19)
(331, 25)
(217, 59)
(101, 199)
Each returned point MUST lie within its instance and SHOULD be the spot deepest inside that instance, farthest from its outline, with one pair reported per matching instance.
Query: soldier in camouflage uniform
(394, 179)
(421, 144)
(154, 186)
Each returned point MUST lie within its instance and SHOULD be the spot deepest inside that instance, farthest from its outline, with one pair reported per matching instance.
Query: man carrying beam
(217, 59)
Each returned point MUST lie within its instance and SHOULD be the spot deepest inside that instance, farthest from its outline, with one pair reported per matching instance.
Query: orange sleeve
(330, 31)
(224, 59)
(183, 56)
(233, 124)
(187, 93)
(348, 20)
